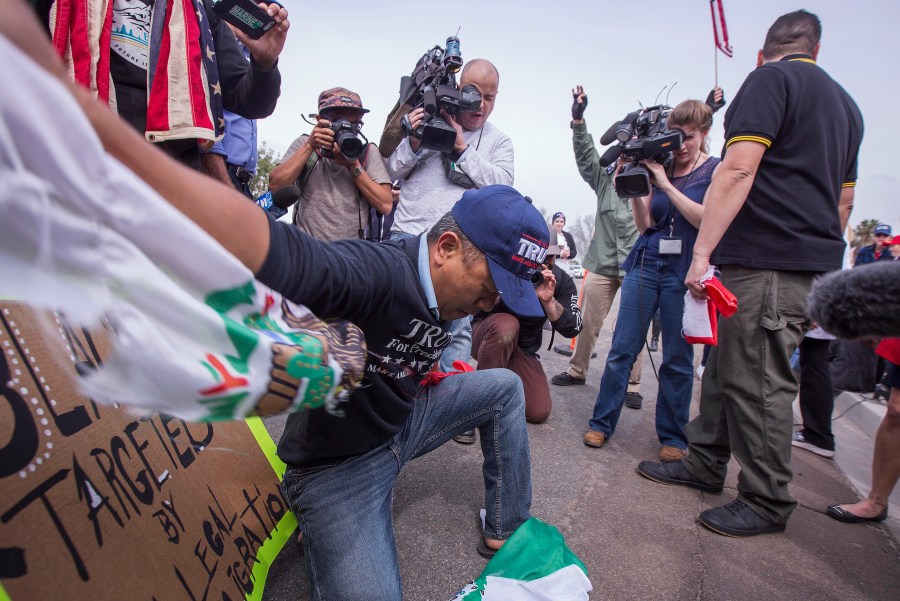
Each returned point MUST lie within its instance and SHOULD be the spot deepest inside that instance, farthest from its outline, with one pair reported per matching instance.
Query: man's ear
(760, 59)
(447, 246)
(815, 52)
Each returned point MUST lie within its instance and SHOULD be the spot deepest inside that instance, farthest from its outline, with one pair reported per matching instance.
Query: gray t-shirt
(427, 193)
(331, 207)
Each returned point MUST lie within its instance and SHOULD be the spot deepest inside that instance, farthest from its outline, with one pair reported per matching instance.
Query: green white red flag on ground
(535, 564)
(193, 334)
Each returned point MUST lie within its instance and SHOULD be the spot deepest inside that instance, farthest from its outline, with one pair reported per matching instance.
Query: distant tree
(582, 230)
(862, 233)
(265, 161)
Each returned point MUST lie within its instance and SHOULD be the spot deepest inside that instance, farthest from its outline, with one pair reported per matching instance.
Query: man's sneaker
(737, 519)
(798, 440)
(564, 379)
(674, 473)
(633, 400)
(467, 437)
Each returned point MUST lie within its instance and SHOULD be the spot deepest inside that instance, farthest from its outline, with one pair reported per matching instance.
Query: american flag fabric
(184, 95)
(720, 30)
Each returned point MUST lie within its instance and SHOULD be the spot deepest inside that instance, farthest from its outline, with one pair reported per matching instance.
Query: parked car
(575, 269)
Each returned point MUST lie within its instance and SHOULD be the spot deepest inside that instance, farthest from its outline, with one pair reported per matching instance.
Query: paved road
(638, 539)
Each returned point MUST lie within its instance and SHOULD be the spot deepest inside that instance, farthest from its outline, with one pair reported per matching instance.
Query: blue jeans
(344, 510)
(649, 286)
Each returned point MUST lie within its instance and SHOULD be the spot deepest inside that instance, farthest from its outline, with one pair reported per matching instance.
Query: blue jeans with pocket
(649, 286)
(344, 509)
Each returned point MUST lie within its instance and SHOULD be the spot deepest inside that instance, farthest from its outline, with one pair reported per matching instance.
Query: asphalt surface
(638, 539)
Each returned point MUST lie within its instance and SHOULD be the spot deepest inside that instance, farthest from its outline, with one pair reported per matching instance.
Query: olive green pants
(748, 389)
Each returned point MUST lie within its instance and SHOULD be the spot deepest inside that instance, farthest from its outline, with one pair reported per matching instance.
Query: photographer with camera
(340, 175)
(669, 218)
(500, 338)
(481, 155)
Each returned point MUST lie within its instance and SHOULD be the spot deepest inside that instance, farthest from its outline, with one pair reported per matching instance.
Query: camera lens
(537, 277)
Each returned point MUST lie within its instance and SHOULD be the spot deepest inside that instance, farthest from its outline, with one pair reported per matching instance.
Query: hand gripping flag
(700, 322)
(535, 564)
(720, 30)
(193, 334)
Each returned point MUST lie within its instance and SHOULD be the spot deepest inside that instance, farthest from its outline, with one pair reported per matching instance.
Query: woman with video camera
(669, 219)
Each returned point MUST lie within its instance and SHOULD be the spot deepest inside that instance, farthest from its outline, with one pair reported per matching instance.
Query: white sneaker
(798, 440)
(700, 369)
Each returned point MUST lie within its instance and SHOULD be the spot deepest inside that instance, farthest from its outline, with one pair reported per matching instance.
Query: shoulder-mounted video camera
(642, 135)
(432, 85)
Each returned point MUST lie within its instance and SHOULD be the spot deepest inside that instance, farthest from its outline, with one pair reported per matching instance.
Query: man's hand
(716, 99)
(564, 252)
(321, 137)
(579, 103)
(699, 267)
(265, 50)
(415, 118)
(460, 144)
(546, 289)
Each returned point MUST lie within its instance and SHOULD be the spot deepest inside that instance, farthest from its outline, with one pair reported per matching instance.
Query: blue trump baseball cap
(882, 228)
(512, 234)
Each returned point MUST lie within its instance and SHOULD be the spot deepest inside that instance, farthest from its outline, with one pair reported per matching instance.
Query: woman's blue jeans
(650, 285)
(344, 510)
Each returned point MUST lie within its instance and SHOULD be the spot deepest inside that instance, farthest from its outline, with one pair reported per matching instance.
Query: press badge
(670, 245)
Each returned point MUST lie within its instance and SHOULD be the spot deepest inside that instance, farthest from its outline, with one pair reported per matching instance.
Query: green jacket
(614, 228)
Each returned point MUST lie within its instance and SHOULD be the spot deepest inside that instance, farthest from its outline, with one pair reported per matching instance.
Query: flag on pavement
(720, 30)
(193, 334)
(534, 565)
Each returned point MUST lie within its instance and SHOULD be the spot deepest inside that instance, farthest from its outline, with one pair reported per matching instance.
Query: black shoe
(633, 400)
(654, 345)
(738, 520)
(674, 472)
(564, 379)
(467, 437)
(842, 515)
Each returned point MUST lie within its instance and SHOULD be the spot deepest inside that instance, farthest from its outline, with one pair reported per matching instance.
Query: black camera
(433, 86)
(642, 135)
(349, 139)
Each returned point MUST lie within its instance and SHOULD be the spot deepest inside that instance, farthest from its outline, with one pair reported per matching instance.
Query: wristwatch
(356, 171)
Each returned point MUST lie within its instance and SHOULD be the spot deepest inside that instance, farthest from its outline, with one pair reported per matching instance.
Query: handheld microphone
(610, 156)
(279, 202)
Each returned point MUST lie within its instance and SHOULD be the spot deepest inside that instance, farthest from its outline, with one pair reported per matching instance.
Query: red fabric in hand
(433, 377)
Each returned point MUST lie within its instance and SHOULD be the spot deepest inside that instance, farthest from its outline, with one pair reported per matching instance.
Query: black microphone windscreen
(610, 156)
(286, 196)
(609, 136)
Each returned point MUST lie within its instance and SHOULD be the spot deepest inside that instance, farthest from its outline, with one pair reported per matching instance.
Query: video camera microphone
(610, 156)
(277, 203)
(859, 302)
(609, 136)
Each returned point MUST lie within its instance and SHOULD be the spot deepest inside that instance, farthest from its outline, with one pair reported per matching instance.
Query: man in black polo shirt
(775, 216)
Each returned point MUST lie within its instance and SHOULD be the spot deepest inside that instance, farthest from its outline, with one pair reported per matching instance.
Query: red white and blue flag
(720, 30)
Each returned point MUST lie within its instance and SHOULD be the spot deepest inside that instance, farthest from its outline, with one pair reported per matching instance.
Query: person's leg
(676, 373)
(634, 378)
(885, 460)
(494, 339)
(598, 293)
(816, 393)
(493, 401)
(495, 344)
(655, 331)
(637, 305)
(759, 385)
(344, 513)
(707, 434)
(460, 348)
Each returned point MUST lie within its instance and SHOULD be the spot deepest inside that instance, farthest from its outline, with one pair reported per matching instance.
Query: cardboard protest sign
(96, 503)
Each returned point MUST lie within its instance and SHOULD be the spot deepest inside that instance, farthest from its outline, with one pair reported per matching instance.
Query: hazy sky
(623, 53)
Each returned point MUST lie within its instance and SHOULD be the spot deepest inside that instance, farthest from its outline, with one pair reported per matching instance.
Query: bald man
(432, 181)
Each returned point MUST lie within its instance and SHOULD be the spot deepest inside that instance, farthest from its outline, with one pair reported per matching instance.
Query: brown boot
(671, 453)
(592, 438)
